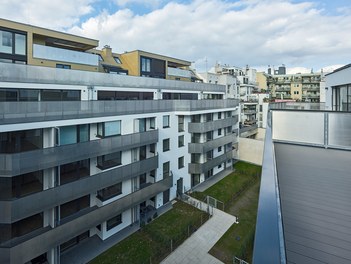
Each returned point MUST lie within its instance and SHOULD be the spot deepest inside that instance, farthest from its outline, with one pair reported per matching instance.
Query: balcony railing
(50, 157)
(213, 125)
(204, 167)
(64, 55)
(23, 112)
(207, 146)
(55, 236)
(178, 72)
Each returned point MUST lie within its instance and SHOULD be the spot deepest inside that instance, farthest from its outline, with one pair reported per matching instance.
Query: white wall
(251, 150)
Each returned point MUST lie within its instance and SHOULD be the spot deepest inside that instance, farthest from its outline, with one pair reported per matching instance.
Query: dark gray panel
(20, 208)
(212, 144)
(24, 251)
(204, 167)
(24, 112)
(20, 163)
(212, 125)
(315, 186)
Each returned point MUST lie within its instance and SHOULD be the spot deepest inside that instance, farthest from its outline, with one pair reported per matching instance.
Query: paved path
(194, 249)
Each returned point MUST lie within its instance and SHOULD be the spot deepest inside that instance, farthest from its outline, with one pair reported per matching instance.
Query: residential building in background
(301, 87)
(86, 155)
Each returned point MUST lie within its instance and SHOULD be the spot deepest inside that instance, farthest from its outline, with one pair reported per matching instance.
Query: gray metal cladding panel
(339, 126)
(29, 205)
(212, 125)
(315, 186)
(204, 167)
(40, 244)
(212, 144)
(20, 163)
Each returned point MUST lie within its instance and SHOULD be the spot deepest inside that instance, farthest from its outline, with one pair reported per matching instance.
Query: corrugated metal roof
(315, 189)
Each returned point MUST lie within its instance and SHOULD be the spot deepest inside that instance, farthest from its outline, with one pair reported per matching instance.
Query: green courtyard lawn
(230, 187)
(239, 192)
(153, 241)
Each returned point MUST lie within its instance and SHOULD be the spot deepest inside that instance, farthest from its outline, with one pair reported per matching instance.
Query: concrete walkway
(212, 180)
(195, 248)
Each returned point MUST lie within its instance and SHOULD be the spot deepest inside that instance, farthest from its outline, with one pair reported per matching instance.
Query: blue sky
(298, 33)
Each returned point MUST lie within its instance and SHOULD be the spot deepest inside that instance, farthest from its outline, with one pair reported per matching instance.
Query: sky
(303, 35)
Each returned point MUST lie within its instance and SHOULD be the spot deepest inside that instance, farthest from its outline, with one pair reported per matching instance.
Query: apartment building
(301, 87)
(86, 154)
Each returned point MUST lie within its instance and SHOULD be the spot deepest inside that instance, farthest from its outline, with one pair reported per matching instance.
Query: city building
(301, 87)
(304, 194)
(86, 155)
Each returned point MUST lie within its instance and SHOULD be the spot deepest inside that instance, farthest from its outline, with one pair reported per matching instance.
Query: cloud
(253, 32)
(53, 14)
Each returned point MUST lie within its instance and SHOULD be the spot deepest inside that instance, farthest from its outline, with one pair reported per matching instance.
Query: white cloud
(54, 14)
(253, 32)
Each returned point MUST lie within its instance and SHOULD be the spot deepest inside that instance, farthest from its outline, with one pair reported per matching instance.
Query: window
(219, 115)
(165, 121)
(145, 64)
(142, 153)
(209, 155)
(74, 134)
(152, 123)
(117, 60)
(110, 160)
(229, 113)
(63, 66)
(165, 144)
(109, 192)
(153, 148)
(195, 138)
(220, 149)
(166, 169)
(20, 44)
(180, 141)
(195, 179)
(180, 162)
(180, 123)
(209, 117)
(219, 131)
(113, 222)
(73, 171)
(196, 118)
(166, 196)
(108, 129)
(195, 158)
(6, 42)
(209, 135)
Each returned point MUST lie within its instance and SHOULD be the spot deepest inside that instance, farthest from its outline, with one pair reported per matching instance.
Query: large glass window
(74, 134)
(180, 162)
(73, 171)
(113, 222)
(195, 179)
(108, 129)
(19, 141)
(145, 64)
(6, 42)
(74, 206)
(109, 160)
(20, 44)
(22, 185)
(109, 192)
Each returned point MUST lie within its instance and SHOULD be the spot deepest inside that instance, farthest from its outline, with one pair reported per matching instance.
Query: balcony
(198, 168)
(64, 55)
(24, 162)
(213, 125)
(249, 112)
(207, 146)
(178, 72)
(50, 198)
(23, 112)
(96, 215)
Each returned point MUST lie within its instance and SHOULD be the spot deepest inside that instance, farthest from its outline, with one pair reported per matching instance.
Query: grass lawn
(239, 192)
(229, 187)
(238, 240)
(154, 240)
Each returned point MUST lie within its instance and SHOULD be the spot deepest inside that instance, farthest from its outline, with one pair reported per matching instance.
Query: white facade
(112, 151)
